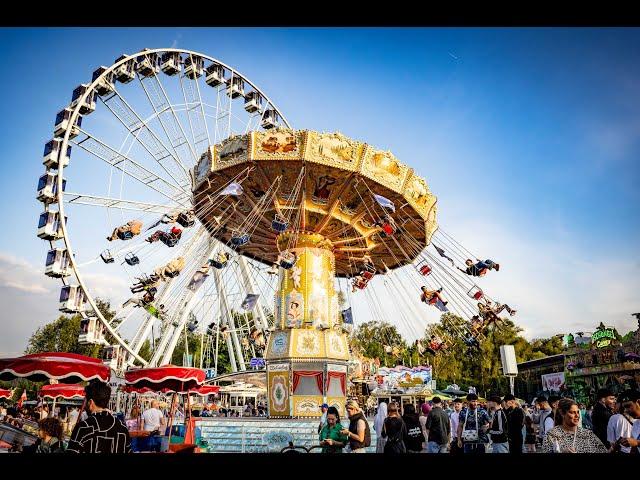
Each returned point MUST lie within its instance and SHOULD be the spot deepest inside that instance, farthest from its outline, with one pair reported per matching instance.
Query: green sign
(603, 336)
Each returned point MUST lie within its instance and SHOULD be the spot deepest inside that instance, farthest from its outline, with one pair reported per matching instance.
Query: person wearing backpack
(544, 418)
(438, 428)
(358, 432)
(394, 430)
(413, 437)
(499, 430)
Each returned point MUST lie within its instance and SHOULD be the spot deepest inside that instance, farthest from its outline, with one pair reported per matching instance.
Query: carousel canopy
(64, 367)
(169, 377)
(62, 391)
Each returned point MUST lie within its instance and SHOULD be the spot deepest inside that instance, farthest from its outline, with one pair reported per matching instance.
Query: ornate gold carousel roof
(336, 190)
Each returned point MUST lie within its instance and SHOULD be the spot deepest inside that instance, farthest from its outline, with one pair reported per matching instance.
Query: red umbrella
(171, 377)
(62, 391)
(202, 390)
(5, 393)
(64, 367)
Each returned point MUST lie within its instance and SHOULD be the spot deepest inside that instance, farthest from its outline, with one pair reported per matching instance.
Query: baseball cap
(324, 405)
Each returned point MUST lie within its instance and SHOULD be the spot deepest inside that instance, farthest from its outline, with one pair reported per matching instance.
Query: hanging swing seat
(287, 264)
(475, 292)
(360, 283)
(239, 239)
(186, 220)
(215, 263)
(424, 269)
(169, 240)
(367, 274)
(107, 257)
(172, 273)
(131, 259)
(279, 224)
(126, 235)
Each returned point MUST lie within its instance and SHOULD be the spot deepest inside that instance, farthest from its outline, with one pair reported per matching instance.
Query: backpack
(395, 444)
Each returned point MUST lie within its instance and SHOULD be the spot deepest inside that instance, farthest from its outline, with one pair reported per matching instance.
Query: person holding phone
(331, 437)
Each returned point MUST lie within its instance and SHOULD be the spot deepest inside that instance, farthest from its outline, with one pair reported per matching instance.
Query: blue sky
(530, 138)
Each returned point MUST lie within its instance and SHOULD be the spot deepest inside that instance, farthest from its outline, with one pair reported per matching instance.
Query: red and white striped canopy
(64, 367)
(169, 377)
(202, 390)
(5, 393)
(62, 391)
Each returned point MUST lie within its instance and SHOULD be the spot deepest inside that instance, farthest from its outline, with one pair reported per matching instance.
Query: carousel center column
(308, 353)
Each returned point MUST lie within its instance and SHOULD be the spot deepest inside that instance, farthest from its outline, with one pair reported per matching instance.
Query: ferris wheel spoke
(166, 113)
(107, 202)
(130, 167)
(197, 123)
(204, 117)
(146, 137)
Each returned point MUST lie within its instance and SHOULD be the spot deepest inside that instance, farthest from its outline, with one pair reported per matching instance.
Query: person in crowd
(135, 422)
(324, 408)
(413, 437)
(479, 269)
(358, 433)
(438, 428)
(472, 427)
(631, 405)
(454, 418)
(394, 430)
(544, 417)
(515, 418)
(331, 438)
(425, 408)
(602, 412)
(553, 403)
(530, 435)
(50, 436)
(567, 437)
(101, 432)
(619, 426)
(378, 422)
(152, 418)
(499, 430)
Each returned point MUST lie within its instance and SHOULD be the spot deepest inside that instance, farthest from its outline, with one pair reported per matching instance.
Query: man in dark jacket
(602, 411)
(515, 417)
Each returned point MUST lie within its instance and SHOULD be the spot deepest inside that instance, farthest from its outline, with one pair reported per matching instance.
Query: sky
(529, 137)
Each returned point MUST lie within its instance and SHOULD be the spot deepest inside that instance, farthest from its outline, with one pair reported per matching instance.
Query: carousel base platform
(258, 435)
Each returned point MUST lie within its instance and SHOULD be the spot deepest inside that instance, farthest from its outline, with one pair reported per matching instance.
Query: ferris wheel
(120, 217)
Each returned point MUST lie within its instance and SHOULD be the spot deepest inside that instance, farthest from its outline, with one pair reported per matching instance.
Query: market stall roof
(61, 366)
(4, 393)
(62, 391)
(168, 376)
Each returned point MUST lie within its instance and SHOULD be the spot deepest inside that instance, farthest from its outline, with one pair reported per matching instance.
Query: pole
(512, 381)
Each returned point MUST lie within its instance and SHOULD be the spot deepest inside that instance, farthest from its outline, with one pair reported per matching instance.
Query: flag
(384, 202)
(232, 189)
(347, 316)
(23, 397)
(249, 301)
(443, 254)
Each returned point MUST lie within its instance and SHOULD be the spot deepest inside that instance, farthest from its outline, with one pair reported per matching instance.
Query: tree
(372, 337)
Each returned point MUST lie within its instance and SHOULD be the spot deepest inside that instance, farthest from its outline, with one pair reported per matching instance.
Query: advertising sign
(553, 382)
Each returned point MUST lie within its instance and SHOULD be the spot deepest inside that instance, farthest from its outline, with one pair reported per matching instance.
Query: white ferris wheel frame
(60, 193)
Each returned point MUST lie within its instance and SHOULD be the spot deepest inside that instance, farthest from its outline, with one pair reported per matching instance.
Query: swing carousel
(196, 209)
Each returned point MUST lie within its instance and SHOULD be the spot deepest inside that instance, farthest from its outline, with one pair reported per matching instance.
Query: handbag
(470, 435)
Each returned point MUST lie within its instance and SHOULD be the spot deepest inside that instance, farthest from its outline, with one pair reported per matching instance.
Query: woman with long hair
(394, 430)
(567, 436)
(358, 433)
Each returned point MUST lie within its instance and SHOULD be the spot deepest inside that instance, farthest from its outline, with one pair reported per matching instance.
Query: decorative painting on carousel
(333, 149)
(307, 406)
(419, 196)
(279, 393)
(277, 144)
(385, 168)
(294, 309)
(339, 403)
(337, 346)
(307, 343)
(232, 151)
(279, 344)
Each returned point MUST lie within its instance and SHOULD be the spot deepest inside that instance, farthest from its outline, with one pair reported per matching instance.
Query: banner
(553, 382)
(250, 301)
